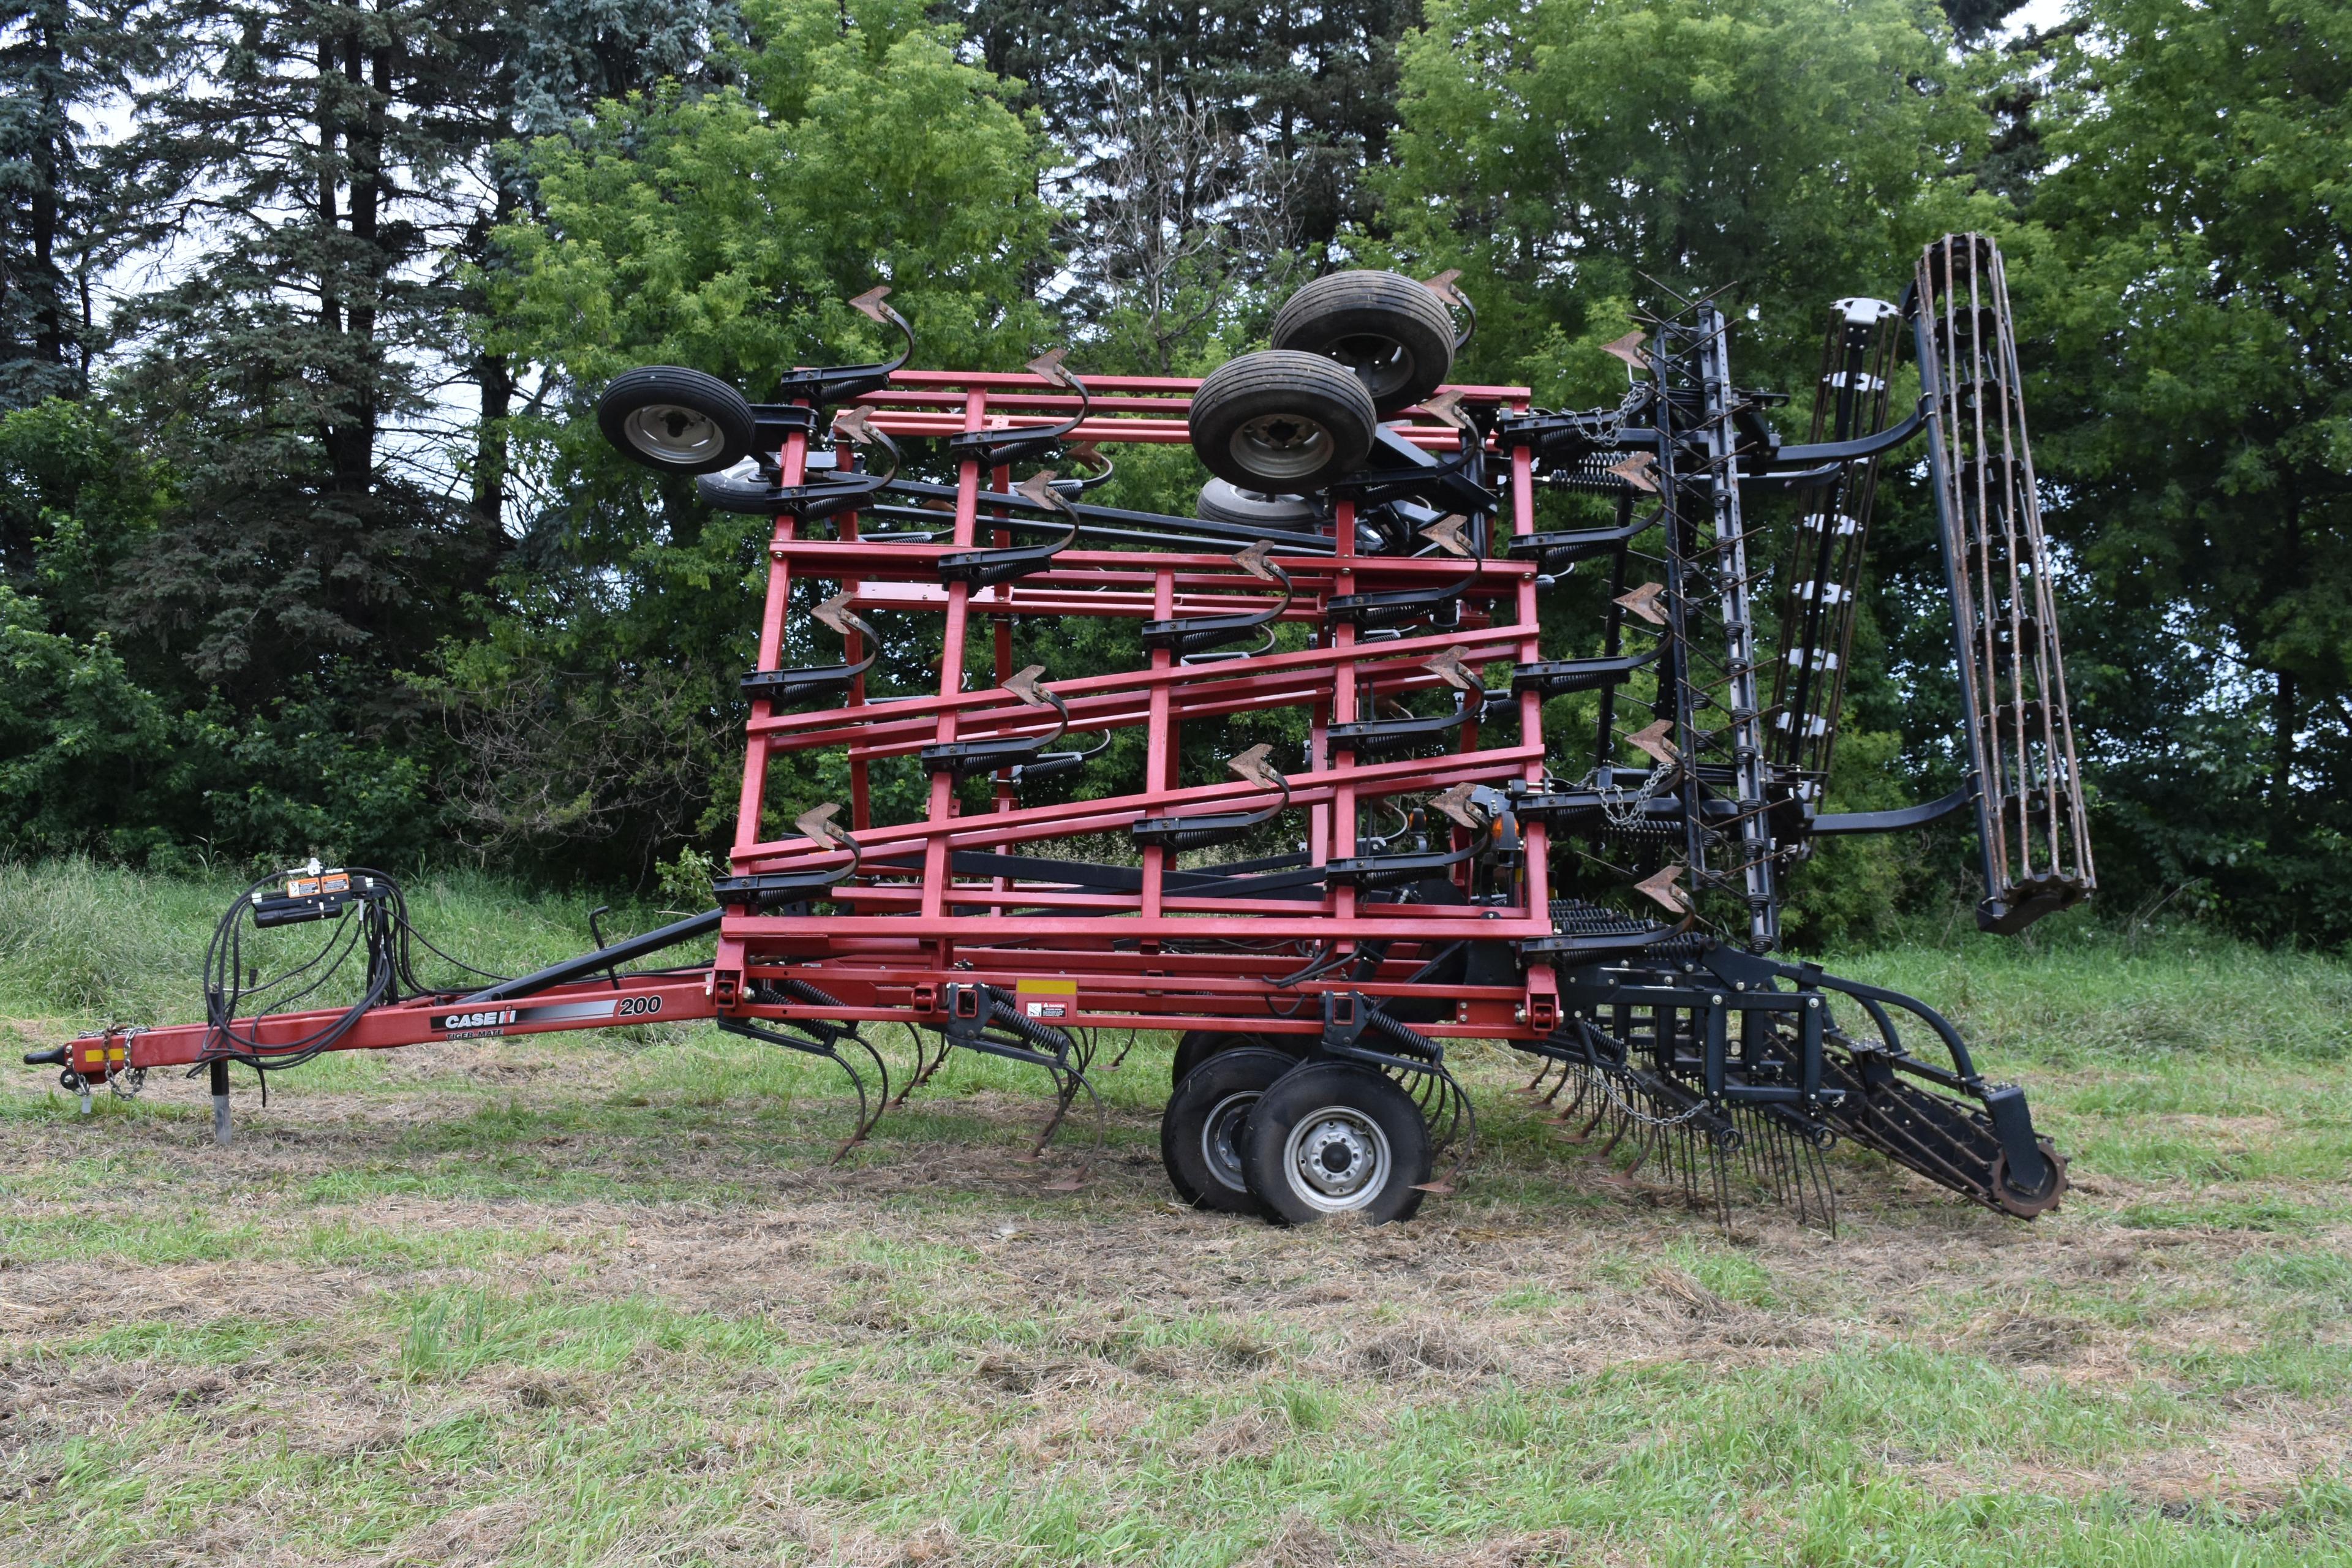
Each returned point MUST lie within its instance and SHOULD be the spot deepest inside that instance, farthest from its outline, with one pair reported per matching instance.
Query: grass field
(598, 1299)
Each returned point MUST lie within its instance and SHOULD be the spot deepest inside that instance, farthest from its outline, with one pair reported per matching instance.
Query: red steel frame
(904, 941)
(1109, 958)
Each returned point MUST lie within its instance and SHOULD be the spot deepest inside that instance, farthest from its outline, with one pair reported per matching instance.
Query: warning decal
(1046, 998)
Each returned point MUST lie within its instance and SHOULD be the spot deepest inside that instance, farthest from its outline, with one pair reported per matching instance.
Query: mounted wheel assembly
(1281, 421)
(1335, 1138)
(676, 420)
(1394, 334)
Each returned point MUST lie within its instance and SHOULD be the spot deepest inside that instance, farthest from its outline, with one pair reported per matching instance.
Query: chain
(1642, 1119)
(1621, 808)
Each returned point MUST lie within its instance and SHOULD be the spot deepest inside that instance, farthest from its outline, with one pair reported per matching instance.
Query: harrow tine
(1642, 1132)
(1067, 1081)
(923, 1069)
(1719, 1169)
(865, 1122)
(1781, 1163)
(1773, 1165)
(1604, 1106)
(1685, 1158)
(1084, 1173)
(1817, 1169)
(1583, 1077)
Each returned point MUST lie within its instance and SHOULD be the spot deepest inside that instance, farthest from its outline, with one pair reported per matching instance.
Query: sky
(2042, 14)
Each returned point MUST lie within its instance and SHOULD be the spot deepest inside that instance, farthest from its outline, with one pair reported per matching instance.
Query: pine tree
(318, 155)
(58, 60)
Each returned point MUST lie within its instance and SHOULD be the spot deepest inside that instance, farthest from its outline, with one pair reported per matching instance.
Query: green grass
(599, 1299)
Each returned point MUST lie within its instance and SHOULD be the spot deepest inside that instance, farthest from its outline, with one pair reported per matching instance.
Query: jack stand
(220, 1103)
(85, 1097)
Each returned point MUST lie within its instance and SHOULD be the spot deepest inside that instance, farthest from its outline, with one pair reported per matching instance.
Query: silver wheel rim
(1380, 364)
(1281, 446)
(670, 434)
(1337, 1160)
(1221, 1149)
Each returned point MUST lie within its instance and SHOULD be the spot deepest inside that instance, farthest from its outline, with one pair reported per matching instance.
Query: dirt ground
(582, 1304)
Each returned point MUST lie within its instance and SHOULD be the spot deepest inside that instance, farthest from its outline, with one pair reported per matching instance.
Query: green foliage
(1563, 154)
(77, 498)
(1851, 891)
(78, 740)
(2195, 413)
(724, 229)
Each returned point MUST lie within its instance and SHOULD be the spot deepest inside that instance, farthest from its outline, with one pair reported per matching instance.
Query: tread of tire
(1357, 290)
(1268, 370)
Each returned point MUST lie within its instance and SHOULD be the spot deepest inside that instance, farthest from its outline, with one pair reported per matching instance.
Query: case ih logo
(498, 1020)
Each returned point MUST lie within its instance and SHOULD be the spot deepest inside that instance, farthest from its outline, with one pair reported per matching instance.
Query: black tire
(1323, 1113)
(676, 420)
(741, 488)
(1197, 1046)
(1395, 335)
(1282, 422)
(1200, 1131)
(1222, 500)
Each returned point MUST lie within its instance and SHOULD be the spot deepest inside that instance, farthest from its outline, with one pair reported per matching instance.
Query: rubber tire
(1222, 500)
(1345, 312)
(1184, 1127)
(1283, 388)
(746, 493)
(734, 428)
(1197, 1046)
(1302, 1094)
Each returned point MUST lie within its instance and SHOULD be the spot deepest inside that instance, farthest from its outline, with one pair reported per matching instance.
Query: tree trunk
(2286, 717)
(49, 325)
(495, 378)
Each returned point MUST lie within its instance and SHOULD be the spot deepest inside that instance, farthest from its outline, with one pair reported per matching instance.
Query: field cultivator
(1459, 719)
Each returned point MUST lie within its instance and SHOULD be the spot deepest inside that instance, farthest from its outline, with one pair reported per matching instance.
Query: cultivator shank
(1341, 805)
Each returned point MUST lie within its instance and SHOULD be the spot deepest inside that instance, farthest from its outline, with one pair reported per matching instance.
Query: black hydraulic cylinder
(604, 958)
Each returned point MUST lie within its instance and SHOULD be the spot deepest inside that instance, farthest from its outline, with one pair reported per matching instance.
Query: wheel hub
(1380, 364)
(1337, 1158)
(674, 435)
(1221, 1139)
(1281, 446)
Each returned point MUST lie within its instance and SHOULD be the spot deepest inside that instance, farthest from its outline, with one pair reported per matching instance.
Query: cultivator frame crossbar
(1451, 870)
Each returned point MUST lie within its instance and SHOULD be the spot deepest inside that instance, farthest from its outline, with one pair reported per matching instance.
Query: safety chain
(1642, 1119)
(126, 1084)
(1621, 808)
